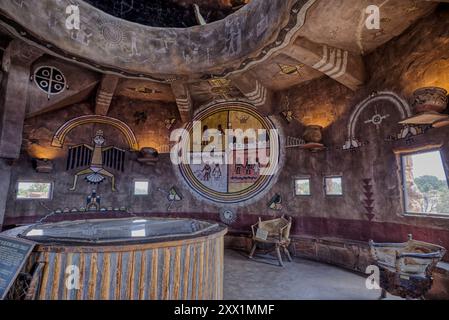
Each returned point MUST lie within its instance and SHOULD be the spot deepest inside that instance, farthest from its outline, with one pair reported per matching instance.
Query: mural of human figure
(220, 129)
(248, 167)
(216, 173)
(206, 172)
(257, 167)
(205, 140)
(238, 167)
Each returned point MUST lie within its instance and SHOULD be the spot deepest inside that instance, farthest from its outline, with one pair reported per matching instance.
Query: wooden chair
(274, 232)
(406, 268)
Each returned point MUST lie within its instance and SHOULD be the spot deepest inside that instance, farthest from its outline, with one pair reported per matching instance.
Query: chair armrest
(253, 228)
(429, 256)
(281, 231)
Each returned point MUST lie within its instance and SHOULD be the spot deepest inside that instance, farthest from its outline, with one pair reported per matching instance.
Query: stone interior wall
(416, 59)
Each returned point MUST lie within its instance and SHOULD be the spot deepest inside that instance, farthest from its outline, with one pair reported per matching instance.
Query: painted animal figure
(96, 158)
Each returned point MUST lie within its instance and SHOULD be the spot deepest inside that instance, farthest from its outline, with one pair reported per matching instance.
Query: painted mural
(96, 158)
(235, 173)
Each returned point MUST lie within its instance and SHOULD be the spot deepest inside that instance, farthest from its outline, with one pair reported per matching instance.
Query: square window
(333, 186)
(425, 184)
(141, 188)
(34, 190)
(302, 187)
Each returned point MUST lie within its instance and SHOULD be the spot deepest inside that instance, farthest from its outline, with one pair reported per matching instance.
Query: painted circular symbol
(224, 167)
(50, 80)
(228, 216)
(112, 33)
(377, 119)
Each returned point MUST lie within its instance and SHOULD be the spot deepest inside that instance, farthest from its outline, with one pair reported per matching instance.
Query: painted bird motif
(96, 158)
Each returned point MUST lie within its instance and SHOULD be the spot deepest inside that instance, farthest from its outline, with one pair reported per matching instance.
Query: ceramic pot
(313, 134)
(430, 99)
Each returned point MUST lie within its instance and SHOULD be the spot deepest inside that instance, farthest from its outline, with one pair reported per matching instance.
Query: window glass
(425, 183)
(333, 186)
(34, 190)
(302, 187)
(141, 188)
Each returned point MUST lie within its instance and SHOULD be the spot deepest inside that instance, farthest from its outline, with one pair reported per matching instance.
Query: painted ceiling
(167, 13)
(247, 50)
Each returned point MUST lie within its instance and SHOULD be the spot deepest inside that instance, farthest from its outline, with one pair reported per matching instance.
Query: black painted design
(50, 80)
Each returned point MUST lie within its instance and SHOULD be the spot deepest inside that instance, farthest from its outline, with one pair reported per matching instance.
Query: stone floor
(262, 279)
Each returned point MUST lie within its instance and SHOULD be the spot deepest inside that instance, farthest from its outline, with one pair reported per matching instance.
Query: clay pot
(430, 99)
(313, 134)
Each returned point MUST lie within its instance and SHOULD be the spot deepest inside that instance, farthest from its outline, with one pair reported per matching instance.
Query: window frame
(308, 178)
(420, 150)
(134, 187)
(50, 192)
(340, 176)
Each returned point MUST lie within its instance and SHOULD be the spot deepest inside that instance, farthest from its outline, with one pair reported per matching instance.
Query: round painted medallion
(50, 80)
(230, 153)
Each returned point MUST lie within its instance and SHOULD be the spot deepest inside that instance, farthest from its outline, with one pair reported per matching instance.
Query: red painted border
(319, 227)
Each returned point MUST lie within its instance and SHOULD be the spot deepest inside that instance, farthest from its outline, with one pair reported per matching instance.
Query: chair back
(411, 257)
(274, 226)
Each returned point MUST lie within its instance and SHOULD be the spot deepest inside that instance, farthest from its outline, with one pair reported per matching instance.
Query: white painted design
(293, 142)
(183, 104)
(259, 96)
(401, 105)
(301, 16)
(334, 62)
(377, 119)
(228, 216)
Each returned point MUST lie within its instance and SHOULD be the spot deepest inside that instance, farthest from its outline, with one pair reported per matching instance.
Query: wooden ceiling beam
(183, 100)
(105, 94)
(340, 65)
(254, 91)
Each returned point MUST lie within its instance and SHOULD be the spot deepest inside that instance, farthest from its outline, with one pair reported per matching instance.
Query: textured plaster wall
(416, 59)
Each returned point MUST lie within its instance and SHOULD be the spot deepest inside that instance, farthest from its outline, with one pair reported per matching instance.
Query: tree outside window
(426, 189)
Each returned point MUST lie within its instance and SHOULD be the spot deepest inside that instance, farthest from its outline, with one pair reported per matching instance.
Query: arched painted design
(60, 135)
(402, 106)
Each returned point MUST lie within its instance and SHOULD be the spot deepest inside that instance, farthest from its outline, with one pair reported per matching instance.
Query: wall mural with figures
(235, 174)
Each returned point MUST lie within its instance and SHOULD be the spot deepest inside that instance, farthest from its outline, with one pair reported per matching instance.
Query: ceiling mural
(236, 173)
(234, 44)
(167, 13)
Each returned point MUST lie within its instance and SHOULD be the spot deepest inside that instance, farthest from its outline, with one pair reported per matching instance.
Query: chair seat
(272, 240)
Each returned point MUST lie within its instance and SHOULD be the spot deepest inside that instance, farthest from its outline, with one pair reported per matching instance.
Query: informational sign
(262, 234)
(13, 255)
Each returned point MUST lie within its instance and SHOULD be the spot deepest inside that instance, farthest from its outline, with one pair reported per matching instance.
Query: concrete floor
(262, 279)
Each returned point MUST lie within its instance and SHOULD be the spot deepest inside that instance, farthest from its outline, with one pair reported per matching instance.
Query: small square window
(333, 186)
(141, 188)
(34, 190)
(425, 184)
(302, 187)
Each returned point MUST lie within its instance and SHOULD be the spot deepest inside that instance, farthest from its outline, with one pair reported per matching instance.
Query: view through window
(141, 188)
(333, 186)
(34, 190)
(302, 187)
(426, 188)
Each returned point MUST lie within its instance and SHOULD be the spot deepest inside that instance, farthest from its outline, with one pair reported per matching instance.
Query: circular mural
(231, 153)
(50, 80)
